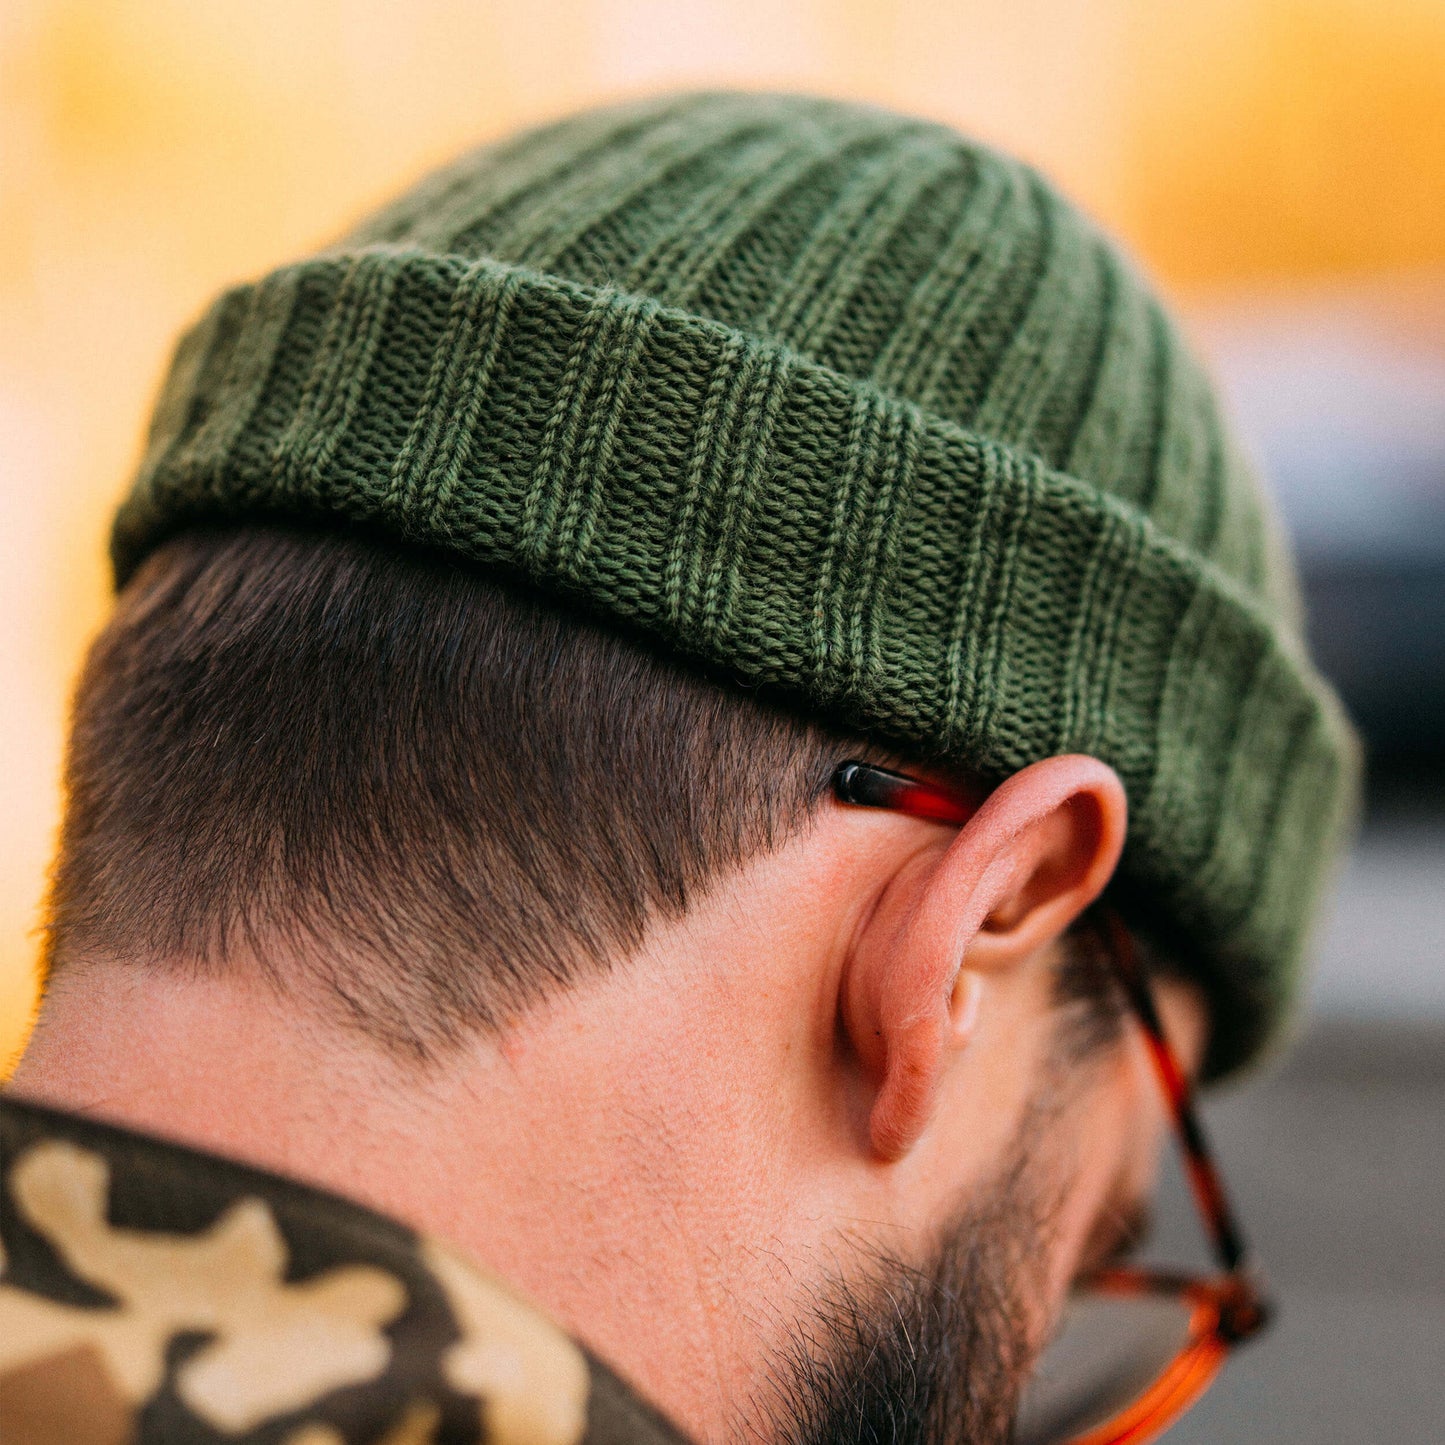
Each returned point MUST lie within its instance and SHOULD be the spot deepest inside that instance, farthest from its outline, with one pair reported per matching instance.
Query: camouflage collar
(153, 1293)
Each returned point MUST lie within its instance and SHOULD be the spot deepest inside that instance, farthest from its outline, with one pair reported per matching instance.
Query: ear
(971, 908)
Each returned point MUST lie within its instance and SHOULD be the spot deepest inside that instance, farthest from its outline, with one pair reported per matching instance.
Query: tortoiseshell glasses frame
(1223, 1309)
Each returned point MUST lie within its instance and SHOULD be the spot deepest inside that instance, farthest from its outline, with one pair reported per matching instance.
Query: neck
(543, 1154)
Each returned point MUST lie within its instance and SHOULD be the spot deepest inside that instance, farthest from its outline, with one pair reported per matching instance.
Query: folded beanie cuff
(759, 513)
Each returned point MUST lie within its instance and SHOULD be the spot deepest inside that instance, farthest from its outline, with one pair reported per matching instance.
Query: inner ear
(1059, 855)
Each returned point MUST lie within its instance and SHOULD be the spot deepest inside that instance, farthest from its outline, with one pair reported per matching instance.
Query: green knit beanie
(839, 403)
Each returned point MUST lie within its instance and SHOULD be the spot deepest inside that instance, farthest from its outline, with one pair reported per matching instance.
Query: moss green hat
(844, 405)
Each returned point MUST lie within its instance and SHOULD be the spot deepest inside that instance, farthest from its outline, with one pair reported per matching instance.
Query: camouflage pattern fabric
(152, 1293)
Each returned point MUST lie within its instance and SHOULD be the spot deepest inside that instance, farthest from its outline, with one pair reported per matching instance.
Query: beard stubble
(930, 1352)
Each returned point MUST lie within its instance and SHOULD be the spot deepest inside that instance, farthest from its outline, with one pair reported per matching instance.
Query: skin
(834, 1048)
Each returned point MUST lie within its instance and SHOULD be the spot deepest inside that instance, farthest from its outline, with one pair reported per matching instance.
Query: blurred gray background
(1336, 1156)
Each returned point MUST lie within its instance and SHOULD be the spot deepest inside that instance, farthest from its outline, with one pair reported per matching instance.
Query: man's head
(502, 589)
(339, 809)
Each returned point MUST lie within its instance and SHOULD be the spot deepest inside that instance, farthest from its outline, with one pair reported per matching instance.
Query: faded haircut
(448, 796)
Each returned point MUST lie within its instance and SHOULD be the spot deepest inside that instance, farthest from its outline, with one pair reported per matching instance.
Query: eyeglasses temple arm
(868, 786)
(1204, 1178)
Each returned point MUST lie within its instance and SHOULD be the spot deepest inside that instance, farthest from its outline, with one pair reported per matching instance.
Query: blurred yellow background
(152, 150)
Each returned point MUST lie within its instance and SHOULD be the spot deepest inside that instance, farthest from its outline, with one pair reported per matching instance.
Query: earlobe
(908, 1003)
(1037, 853)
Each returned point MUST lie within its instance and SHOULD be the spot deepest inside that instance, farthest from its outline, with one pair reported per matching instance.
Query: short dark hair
(380, 754)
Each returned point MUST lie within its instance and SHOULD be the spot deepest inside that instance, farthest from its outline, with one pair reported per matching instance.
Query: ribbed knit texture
(844, 405)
